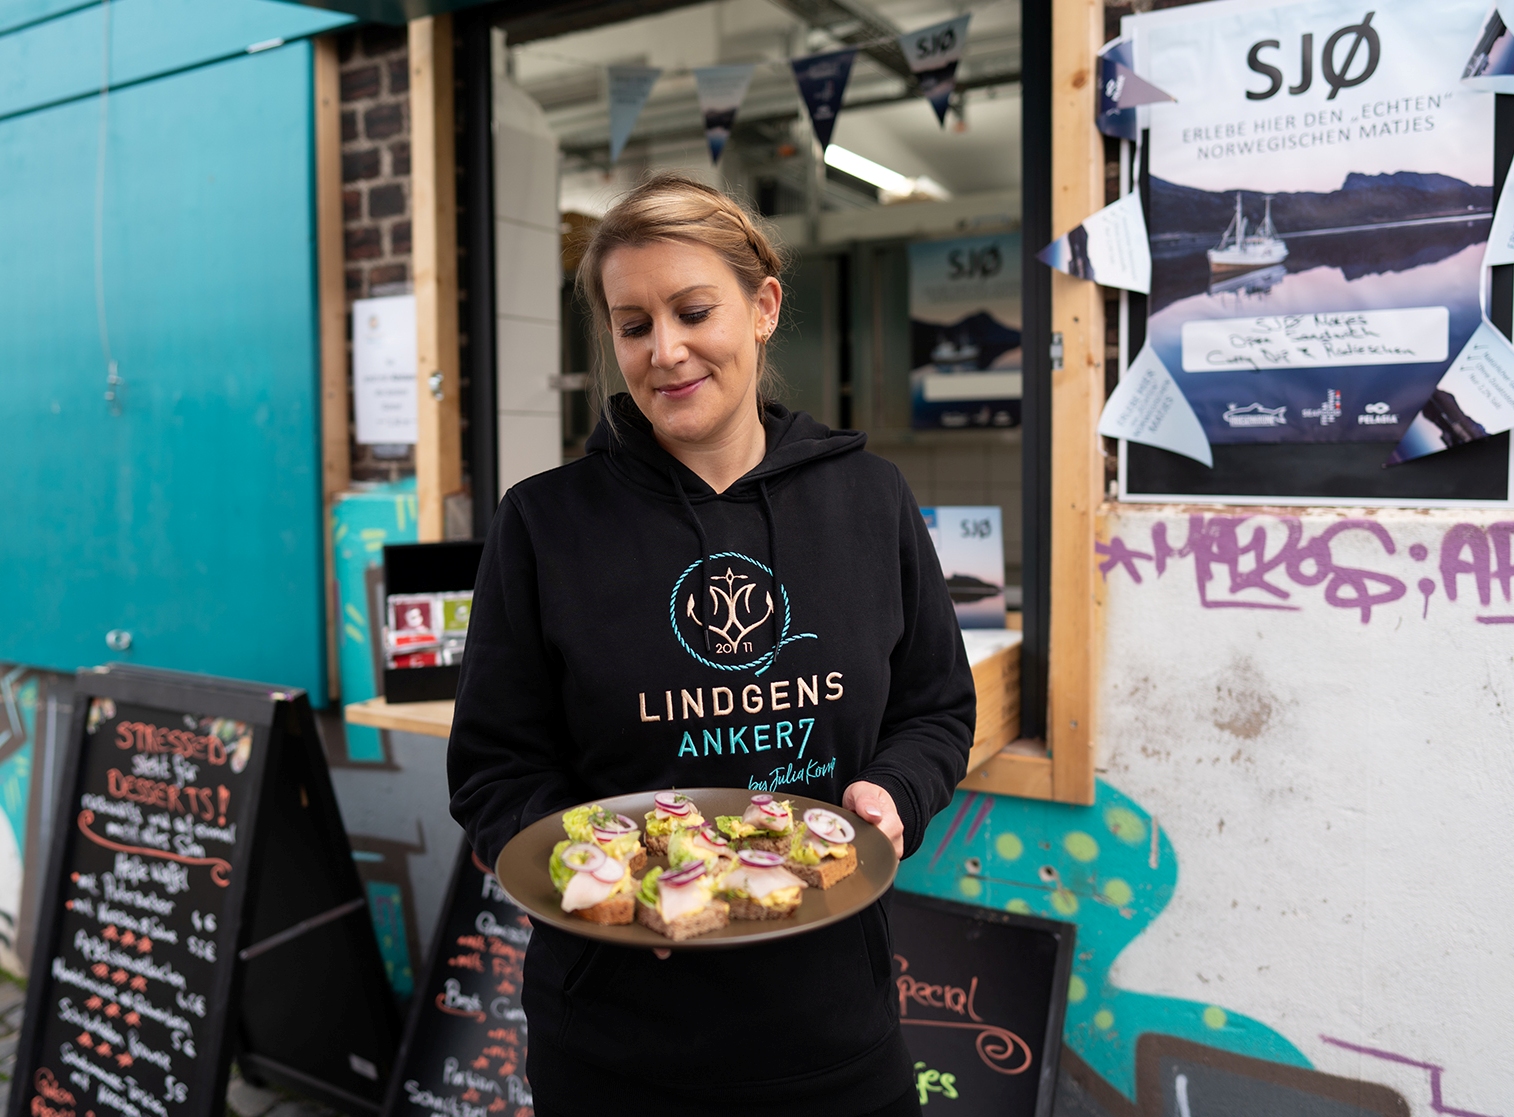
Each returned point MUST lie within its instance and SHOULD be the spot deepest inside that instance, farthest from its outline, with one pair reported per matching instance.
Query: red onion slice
(582, 857)
(673, 803)
(609, 831)
(684, 876)
(829, 826)
(758, 800)
(760, 859)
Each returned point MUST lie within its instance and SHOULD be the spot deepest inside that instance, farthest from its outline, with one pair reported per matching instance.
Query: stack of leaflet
(426, 629)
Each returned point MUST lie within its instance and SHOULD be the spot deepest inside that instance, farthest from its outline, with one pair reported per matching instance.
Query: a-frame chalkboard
(464, 1052)
(200, 902)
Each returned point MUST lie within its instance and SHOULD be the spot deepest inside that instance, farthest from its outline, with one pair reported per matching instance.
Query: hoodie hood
(794, 439)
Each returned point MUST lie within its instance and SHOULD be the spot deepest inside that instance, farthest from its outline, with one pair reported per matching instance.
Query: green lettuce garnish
(560, 873)
(801, 850)
(649, 894)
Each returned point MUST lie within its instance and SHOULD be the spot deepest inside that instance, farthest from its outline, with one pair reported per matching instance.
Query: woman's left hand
(876, 806)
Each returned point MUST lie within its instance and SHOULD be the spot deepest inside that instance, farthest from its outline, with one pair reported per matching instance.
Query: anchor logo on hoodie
(741, 620)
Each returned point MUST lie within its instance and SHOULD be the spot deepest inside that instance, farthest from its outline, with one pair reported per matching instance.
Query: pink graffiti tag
(1229, 560)
(1436, 1071)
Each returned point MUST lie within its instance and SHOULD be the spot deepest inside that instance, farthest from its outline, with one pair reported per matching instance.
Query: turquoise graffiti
(1110, 869)
(361, 524)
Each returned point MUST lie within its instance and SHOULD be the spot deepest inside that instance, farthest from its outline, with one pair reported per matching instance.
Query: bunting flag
(721, 91)
(630, 86)
(1490, 67)
(1121, 90)
(1474, 399)
(933, 53)
(1147, 406)
(1109, 247)
(822, 82)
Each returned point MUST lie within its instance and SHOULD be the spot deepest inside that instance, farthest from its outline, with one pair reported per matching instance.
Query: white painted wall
(528, 278)
(1340, 794)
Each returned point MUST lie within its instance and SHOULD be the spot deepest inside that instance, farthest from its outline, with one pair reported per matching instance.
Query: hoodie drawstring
(778, 602)
(704, 556)
(704, 562)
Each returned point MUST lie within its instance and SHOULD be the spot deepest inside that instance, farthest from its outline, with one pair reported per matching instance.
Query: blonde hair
(674, 207)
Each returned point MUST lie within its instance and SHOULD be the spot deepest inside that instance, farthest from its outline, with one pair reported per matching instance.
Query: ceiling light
(893, 184)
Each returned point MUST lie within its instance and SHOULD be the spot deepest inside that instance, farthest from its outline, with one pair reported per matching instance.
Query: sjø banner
(933, 53)
(721, 91)
(822, 82)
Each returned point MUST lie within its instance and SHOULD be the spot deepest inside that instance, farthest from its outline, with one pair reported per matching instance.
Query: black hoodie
(627, 636)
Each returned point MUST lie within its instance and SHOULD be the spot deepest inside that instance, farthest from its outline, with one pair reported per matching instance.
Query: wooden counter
(997, 763)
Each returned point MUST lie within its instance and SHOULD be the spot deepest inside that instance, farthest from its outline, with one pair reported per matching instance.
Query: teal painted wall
(192, 517)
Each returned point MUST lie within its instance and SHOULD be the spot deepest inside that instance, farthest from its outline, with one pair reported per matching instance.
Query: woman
(720, 593)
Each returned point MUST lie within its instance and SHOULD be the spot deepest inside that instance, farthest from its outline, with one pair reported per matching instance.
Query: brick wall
(375, 78)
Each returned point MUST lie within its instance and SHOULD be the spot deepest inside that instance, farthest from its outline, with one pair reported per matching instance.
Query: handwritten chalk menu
(165, 889)
(982, 995)
(464, 1052)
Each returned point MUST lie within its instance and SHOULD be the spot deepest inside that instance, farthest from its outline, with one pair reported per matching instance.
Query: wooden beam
(433, 196)
(336, 452)
(1077, 395)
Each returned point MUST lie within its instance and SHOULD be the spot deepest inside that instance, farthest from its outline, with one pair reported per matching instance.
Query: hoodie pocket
(877, 940)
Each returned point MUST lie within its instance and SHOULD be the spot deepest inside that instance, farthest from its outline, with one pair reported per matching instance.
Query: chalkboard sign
(464, 1051)
(200, 897)
(982, 995)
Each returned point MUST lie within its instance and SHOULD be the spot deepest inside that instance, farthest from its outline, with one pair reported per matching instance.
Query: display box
(428, 590)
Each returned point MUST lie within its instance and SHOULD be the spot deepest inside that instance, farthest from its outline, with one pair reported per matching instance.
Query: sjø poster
(1321, 192)
(964, 324)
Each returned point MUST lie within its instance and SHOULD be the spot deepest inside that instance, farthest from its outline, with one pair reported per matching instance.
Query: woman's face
(686, 338)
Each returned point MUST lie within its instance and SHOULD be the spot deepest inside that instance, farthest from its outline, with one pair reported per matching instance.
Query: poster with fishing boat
(1320, 197)
(964, 311)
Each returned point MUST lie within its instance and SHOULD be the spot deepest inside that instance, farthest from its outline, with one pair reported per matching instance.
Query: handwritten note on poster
(1407, 336)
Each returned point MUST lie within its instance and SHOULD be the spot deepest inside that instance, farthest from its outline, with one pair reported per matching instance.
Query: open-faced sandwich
(672, 811)
(766, 824)
(821, 852)
(759, 887)
(680, 903)
(614, 833)
(594, 885)
(705, 844)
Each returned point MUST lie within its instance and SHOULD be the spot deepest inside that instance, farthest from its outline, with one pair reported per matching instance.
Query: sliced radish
(829, 826)
(714, 837)
(610, 872)
(582, 857)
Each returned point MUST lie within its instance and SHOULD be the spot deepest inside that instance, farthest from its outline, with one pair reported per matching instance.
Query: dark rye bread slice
(742, 908)
(828, 872)
(619, 909)
(715, 915)
(657, 844)
(638, 860)
(779, 844)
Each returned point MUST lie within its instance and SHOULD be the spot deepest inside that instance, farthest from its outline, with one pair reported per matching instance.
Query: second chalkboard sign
(198, 867)
(464, 1052)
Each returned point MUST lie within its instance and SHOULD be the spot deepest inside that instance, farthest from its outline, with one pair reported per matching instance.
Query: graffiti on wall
(1111, 869)
(1275, 562)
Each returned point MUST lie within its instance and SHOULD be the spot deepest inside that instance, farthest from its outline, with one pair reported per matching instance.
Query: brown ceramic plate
(522, 870)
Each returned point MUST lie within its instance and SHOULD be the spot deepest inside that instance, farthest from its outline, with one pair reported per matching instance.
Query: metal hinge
(1056, 352)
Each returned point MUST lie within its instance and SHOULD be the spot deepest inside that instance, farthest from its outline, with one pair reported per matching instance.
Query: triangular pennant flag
(933, 53)
(1474, 399)
(1121, 90)
(1490, 67)
(822, 82)
(1110, 247)
(1500, 248)
(630, 86)
(721, 91)
(1147, 406)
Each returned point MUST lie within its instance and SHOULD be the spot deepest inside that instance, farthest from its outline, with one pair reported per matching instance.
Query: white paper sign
(1148, 407)
(383, 369)
(1407, 336)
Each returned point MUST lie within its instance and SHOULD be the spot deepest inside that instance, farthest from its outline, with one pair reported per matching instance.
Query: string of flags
(933, 54)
